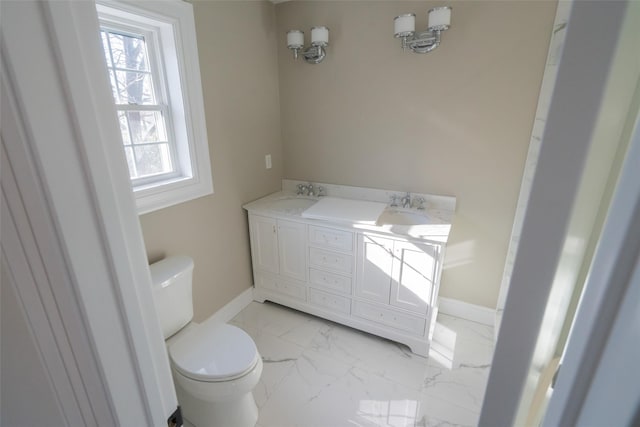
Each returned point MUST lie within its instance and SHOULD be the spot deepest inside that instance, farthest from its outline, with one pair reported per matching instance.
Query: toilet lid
(216, 352)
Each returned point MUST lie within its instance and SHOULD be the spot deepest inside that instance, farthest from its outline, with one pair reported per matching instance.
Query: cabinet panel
(373, 268)
(414, 271)
(329, 301)
(291, 246)
(331, 238)
(282, 286)
(264, 243)
(328, 259)
(389, 317)
(330, 281)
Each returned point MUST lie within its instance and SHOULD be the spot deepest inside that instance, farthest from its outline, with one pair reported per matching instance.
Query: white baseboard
(450, 306)
(464, 310)
(232, 308)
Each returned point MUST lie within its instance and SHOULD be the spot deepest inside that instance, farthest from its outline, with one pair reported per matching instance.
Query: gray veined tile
(321, 374)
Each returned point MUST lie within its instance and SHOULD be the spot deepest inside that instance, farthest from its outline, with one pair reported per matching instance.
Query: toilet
(215, 366)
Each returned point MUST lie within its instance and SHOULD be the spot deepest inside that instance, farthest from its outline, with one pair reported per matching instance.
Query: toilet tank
(171, 282)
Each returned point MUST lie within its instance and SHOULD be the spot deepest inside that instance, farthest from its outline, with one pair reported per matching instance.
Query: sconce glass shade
(295, 39)
(439, 18)
(404, 25)
(319, 36)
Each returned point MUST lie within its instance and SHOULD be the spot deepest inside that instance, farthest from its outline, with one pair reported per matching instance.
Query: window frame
(170, 26)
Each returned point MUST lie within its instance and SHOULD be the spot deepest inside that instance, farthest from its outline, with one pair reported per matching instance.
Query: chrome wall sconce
(315, 53)
(423, 41)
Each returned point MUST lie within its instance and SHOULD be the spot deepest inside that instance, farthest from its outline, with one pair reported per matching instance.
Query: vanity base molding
(417, 345)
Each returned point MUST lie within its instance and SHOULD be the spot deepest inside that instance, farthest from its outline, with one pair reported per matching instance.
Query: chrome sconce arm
(423, 41)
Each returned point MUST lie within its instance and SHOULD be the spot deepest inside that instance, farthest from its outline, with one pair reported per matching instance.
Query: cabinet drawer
(331, 238)
(394, 319)
(332, 260)
(330, 281)
(329, 301)
(282, 286)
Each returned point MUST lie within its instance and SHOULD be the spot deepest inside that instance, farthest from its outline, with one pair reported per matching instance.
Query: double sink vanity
(354, 256)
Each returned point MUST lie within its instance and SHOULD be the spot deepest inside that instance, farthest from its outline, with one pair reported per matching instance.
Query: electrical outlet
(267, 161)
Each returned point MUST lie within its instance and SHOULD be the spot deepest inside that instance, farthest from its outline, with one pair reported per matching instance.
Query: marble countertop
(434, 226)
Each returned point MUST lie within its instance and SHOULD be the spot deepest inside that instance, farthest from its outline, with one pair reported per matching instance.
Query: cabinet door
(414, 274)
(373, 268)
(264, 243)
(292, 249)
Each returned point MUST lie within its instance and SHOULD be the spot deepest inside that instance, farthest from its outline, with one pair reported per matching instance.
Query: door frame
(581, 80)
(79, 237)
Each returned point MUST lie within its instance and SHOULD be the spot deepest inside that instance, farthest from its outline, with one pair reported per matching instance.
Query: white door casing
(73, 182)
(576, 102)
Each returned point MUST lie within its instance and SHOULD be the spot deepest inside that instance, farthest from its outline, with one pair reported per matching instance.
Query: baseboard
(232, 308)
(450, 306)
(464, 310)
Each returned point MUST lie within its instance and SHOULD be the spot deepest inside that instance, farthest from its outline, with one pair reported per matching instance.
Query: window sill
(161, 195)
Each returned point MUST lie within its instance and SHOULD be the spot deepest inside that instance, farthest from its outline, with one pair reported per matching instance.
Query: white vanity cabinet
(383, 284)
(278, 255)
(396, 272)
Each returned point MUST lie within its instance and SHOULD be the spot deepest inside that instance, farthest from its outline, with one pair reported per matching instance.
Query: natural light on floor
(393, 413)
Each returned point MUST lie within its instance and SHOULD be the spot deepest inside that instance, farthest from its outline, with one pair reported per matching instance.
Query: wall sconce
(315, 53)
(424, 41)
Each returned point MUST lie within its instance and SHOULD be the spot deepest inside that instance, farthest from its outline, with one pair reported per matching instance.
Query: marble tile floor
(321, 374)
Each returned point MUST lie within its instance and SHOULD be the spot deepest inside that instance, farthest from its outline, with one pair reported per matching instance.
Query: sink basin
(412, 223)
(395, 217)
(292, 204)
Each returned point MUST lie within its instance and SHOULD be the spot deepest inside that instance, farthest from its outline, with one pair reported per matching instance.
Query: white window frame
(174, 41)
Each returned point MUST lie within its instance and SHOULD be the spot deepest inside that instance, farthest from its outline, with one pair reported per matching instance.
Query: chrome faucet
(310, 190)
(301, 189)
(394, 201)
(406, 201)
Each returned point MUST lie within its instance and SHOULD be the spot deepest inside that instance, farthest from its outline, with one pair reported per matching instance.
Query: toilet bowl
(215, 366)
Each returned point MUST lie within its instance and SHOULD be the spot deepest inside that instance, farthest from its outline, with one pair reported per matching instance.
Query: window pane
(152, 159)
(129, 52)
(105, 47)
(147, 126)
(124, 128)
(135, 88)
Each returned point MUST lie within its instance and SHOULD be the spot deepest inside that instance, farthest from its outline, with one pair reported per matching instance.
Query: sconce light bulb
(319, 36)
(404, 25)
(295, 39)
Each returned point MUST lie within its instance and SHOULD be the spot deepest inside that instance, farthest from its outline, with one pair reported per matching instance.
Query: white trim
(567, 138)
(52, 53)
(232, 308)
(604, 335)
(464, 310)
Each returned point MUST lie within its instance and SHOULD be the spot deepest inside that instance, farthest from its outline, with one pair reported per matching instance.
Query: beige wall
(238, 63)
(456, 121)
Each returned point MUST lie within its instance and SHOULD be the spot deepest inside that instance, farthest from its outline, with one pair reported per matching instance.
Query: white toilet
(215, 366)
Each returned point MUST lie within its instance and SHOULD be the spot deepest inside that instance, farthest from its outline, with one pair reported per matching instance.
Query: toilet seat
(213, 353)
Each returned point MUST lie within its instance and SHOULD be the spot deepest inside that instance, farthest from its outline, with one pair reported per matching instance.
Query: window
(151, 55)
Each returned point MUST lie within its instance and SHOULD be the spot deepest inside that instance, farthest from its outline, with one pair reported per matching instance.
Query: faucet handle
(394, 201)
(321, 191)
(420, 201)
(310, 190)
(301, 188)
